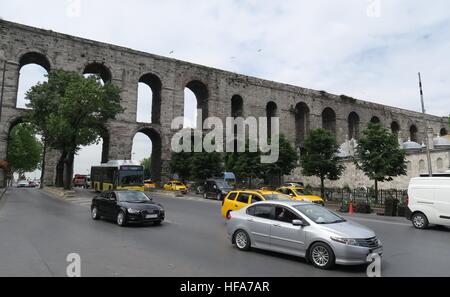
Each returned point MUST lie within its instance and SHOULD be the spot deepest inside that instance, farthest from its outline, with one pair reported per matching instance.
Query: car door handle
(276, 225)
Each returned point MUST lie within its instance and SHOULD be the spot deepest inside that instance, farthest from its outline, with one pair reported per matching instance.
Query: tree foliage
(320, 158)
(379, 156)
(287, 161)
(180, 164)
(206, 165)
(24, 149)
(147, 163)
(70, 110)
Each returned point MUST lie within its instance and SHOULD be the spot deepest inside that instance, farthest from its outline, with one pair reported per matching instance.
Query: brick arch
(100, 69)
(34, 57)
(155, 84)
(302, 122)
(155, 137)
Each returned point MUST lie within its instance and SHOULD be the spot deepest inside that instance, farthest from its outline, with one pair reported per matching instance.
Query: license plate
(151, 216)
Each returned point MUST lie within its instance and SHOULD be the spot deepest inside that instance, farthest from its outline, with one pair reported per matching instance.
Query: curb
(58, 193)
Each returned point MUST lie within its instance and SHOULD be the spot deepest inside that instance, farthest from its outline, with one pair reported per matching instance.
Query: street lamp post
(430, 169)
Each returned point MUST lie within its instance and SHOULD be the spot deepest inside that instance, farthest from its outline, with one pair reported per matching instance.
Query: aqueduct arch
(168, 78)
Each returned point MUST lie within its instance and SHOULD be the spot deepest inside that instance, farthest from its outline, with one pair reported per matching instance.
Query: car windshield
(319, 214)
(270, 197)
(132, 196)
(302, 192)
(132, 178)
(178, 184)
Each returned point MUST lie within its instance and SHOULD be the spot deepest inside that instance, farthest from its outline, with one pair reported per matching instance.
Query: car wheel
(94, 213)
(419, 221)
(121, 219)
(242, 240)
(157, 223)
(321, 256)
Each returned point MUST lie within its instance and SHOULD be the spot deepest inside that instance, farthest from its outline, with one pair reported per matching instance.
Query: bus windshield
(131, 178)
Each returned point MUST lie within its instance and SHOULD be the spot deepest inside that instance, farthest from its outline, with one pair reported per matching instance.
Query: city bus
(117, 175)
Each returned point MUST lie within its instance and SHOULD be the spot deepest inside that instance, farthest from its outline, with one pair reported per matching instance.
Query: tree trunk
(44, 154)
(376, 191)
(59, 182)
(68, 170)
(322, 188)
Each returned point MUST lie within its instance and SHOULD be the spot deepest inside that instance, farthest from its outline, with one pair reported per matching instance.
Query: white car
(429, 201)
(23, 184)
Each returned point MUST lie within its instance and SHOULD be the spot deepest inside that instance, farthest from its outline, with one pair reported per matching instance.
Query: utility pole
(430, 169)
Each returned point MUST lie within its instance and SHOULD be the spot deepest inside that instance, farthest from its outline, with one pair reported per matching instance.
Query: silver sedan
(303, 229)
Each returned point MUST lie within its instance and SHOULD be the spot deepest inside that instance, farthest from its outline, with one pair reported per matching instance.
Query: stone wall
(417, 164)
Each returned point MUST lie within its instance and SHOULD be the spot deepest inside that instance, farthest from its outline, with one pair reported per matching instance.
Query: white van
(429, 201)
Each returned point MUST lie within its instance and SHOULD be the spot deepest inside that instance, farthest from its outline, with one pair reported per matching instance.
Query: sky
(367, 49)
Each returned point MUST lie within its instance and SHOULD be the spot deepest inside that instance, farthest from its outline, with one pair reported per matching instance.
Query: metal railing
(362, 195)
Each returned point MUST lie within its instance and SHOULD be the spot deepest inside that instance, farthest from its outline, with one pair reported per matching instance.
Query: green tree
(80, 107)
(180, 164)
(379, 156)
(320, 158)
(287, 161)
(206, 165)
(24, 149)
(246, 165)
(147, 163)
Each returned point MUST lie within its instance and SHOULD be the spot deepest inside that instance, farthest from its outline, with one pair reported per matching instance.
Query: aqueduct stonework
(219, 93)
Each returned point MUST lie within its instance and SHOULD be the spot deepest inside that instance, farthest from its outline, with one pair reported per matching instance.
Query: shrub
(362, 207)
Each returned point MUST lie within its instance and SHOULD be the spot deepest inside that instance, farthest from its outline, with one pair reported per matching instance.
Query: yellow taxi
(238, 199)
(300, 194)
(149, 184)
(175, 185)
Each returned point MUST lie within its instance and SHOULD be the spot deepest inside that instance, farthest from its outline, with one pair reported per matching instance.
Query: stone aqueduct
(219, 93)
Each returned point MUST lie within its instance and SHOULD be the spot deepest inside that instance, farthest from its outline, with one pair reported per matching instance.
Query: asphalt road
(38, 231)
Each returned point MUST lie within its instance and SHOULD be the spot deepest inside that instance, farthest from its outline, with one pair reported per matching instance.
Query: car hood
(349, 229)
(147, 205)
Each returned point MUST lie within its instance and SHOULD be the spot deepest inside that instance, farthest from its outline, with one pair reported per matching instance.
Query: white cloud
(325, 45)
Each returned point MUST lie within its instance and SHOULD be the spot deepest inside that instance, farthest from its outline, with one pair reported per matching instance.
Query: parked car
(126, 207)
(216, 189)
(238, 199)
(300, 194)
(23, 184)
(32, 184)
(429, 201)
(293, 184)
(79, 180)
(302, 229)
(175, 185)
(149, 184)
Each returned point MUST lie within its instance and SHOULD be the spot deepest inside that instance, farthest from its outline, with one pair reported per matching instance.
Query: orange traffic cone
(350, 208)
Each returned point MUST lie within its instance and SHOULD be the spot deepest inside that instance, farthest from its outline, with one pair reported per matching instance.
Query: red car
(79, 180)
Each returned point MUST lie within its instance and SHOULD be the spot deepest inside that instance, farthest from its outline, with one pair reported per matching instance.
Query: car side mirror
(298, 223)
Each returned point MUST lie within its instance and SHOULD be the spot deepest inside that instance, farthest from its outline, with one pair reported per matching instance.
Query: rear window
(232, 196)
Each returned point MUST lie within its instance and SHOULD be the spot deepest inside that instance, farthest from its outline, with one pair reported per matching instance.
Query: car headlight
(133, 211)
(346, 241)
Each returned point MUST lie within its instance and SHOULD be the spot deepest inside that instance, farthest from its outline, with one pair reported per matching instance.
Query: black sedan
(127, 207)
